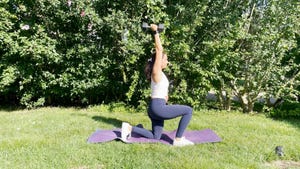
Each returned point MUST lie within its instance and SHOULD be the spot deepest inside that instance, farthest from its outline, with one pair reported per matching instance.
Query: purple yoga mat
(197, 136)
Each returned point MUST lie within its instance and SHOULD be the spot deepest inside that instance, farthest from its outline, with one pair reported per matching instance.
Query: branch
(250, 17)
(292, 79)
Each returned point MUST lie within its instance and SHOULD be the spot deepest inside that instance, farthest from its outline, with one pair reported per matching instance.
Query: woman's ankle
(178, 138)
(130, 128)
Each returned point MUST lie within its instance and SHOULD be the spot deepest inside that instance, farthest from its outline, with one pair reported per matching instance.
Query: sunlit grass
(56, 138)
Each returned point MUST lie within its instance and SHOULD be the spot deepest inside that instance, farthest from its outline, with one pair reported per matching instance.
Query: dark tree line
(74, 52)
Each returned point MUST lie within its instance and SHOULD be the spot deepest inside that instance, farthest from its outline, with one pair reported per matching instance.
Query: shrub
(286, 110)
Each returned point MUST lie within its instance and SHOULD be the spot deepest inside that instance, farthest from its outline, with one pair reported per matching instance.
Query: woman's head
(151, 61)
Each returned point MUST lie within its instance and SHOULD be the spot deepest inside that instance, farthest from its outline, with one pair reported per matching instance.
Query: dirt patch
(284, 164)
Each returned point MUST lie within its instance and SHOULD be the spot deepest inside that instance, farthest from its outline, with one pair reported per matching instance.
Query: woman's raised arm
(157, 67)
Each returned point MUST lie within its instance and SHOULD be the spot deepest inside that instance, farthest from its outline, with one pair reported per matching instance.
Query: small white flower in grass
(25, 27)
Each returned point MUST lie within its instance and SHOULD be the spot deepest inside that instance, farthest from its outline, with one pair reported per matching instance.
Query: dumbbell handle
(147, 26)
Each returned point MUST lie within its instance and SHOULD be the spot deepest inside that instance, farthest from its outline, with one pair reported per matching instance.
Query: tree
(248, 49)
(189, 78)
(90, 52)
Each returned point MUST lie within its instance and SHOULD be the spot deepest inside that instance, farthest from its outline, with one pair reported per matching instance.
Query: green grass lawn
(56, 138)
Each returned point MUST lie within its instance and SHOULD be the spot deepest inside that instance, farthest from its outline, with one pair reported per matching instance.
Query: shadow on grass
(294, 122)
(287, 112)
(108, 120)
(10, 108)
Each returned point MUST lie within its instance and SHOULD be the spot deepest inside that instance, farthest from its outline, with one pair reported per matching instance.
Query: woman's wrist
(155, 32)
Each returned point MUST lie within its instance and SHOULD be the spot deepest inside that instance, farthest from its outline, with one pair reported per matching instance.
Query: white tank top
(161, 89)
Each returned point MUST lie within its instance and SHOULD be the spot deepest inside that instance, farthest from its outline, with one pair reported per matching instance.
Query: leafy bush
(286, 110)
(77, 52)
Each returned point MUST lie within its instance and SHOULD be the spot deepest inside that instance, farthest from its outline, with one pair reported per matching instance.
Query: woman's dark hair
(149, 66)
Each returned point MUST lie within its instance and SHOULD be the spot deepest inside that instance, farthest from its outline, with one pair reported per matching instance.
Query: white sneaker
(182, 142)
(125, 133)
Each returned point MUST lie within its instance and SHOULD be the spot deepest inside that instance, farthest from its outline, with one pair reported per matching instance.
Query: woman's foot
(182, 142)
(126, 131)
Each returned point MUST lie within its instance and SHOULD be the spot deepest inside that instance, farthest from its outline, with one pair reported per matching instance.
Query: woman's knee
(189, 110)
(157, 136)
(157, 133)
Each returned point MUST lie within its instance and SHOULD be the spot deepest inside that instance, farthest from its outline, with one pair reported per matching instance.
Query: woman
(158, 110)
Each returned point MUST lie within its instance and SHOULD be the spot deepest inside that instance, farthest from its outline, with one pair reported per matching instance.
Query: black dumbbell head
(145, 25)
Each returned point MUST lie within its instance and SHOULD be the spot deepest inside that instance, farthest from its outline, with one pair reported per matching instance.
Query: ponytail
(149, 66)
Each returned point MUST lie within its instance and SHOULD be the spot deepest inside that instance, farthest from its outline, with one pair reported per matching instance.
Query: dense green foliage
(286, 110)
(90, 52)
(247, 50)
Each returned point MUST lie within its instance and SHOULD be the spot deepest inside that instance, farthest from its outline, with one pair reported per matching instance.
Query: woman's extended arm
(157, 67)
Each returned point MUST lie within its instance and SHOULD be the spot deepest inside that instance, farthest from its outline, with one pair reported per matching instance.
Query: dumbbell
(146, 26)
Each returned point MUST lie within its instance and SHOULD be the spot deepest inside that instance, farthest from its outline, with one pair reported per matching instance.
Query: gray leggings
(158, 111)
